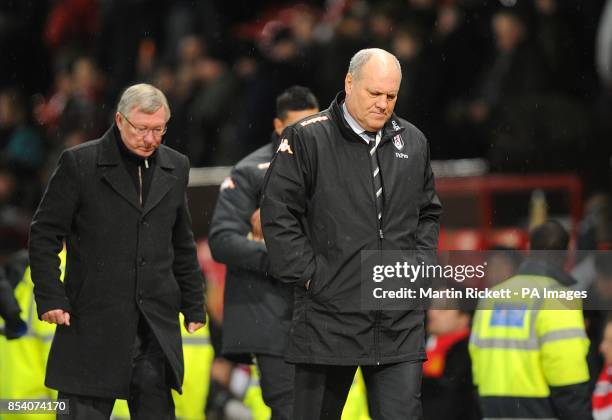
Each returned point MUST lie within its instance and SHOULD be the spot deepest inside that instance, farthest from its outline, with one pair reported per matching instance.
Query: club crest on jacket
(398, 142)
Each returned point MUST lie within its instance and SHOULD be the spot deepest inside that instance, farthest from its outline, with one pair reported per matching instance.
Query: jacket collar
(275, 140)
(109, 160)
(109, 154)
(391, 128)
(542, 268)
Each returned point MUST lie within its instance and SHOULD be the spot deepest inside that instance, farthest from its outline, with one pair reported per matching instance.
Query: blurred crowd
(521, 83)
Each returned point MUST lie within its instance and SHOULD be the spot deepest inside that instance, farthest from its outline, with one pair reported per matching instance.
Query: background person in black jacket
(448, 393)
(354, 177)
(257, 308)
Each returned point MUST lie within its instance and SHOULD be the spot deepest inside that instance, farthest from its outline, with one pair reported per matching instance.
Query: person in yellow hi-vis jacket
(198, 354)
(528, 360)
(23, 361)
(356, 406)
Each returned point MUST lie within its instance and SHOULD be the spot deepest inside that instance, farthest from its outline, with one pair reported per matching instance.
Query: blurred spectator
(599, 296)
(13, 220)
(381, 26)
(71, 23)
(602, 396)
(280, 67)
(502, 263)
(517, 67)
(21, 144)
(14, 326)
(21, 147)
(24, 358)
(530, 361)
(211, 114)
(349, 37)
(556, 41)
(48, 110)
(83, 109)
(447, 389)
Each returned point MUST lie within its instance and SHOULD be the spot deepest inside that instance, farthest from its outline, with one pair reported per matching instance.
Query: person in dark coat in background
(351, 178)
(119, 203)
(257, 309)
(448, 392)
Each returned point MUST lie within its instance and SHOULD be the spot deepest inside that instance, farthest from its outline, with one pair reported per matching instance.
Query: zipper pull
(147, 163)
(381, 234)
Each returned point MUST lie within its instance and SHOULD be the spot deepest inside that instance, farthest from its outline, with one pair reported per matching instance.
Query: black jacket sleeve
(50, 226)
(283, 211)
(231, 224)
(430, 210)
(186, 268)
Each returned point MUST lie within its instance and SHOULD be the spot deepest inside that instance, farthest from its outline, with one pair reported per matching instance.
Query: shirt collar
(359, 130)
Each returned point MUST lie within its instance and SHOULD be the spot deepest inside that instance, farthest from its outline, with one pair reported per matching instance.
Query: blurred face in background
(603, 285)
(12, 109)
(606, 344)
(371, 94)
(85, 77)
(500, 267)
(509, 31)
(140, 131)
(446, 321)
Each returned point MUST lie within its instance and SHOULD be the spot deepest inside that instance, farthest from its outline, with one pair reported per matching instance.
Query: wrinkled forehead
(379, 75)
(156, 117)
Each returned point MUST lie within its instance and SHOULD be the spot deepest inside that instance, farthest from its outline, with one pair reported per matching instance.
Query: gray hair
(145, 97)
(363, 56)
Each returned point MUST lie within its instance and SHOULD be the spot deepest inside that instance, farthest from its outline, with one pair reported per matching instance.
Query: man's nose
(381, 102)
(149, 139)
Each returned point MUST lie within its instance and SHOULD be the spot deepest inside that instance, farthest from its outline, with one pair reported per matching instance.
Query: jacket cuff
(53, 304)
(195, 315)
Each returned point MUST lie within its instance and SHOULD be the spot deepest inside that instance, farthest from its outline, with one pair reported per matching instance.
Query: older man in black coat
(119, 205)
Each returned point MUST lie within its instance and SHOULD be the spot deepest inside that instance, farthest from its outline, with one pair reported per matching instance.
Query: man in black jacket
(354, 177)
(257, 308)
(120, 205)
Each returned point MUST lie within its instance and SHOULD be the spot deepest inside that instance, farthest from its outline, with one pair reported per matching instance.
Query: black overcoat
(256, 308)
(123, 259)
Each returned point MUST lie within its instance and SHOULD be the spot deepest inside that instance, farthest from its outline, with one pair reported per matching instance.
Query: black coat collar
(109, 154)
(109, 159)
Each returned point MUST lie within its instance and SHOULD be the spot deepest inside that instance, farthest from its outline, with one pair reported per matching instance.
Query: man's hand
(57, 316)
(256, 232)
(193, 326)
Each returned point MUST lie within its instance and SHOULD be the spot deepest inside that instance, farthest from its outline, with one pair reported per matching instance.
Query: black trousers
(276, 379)
(394, 391)
(150, 396)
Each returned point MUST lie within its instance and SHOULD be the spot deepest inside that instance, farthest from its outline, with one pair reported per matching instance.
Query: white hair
(363, 56)
(145, 97)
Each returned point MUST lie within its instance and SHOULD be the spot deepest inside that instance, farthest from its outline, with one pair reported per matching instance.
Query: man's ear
(279, 126)
(118, 120)
(348, 83)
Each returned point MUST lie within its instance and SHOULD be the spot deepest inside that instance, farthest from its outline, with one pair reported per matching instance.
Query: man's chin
(145, 153)
(376, 126)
